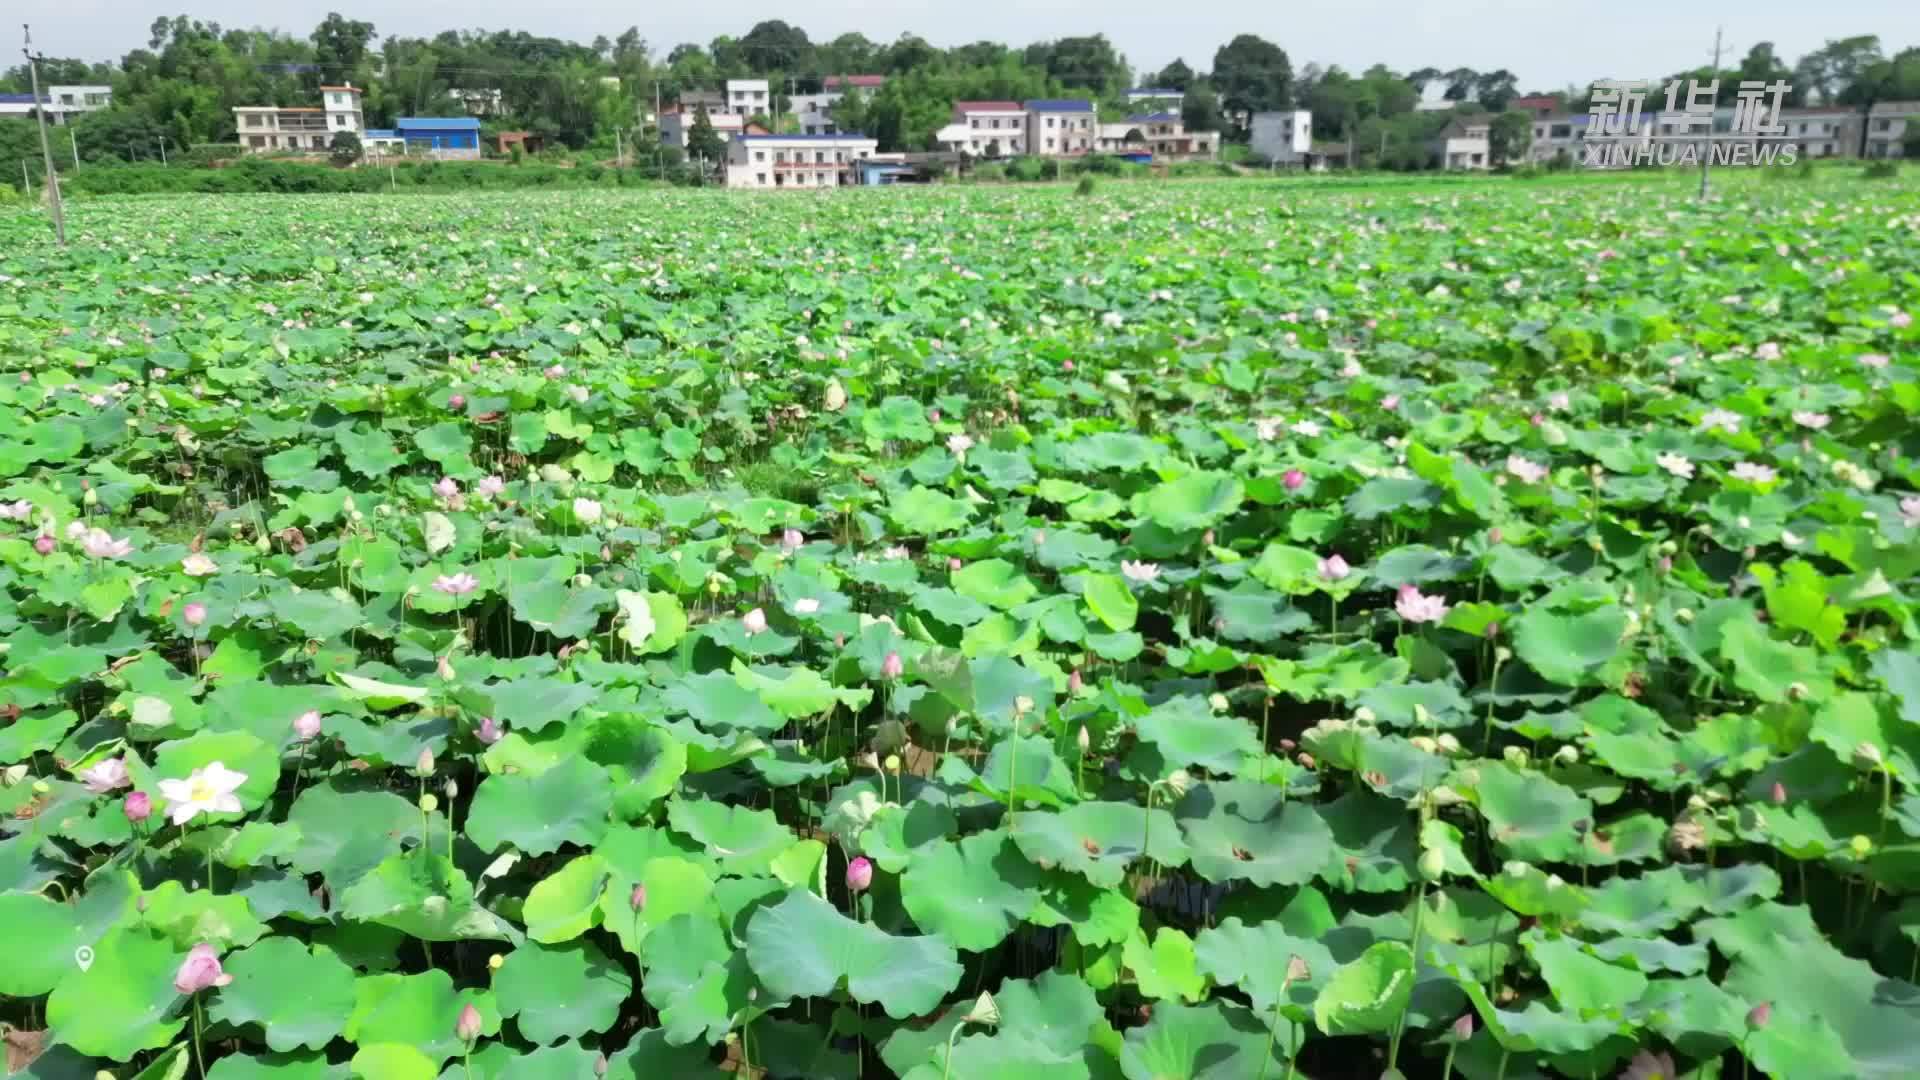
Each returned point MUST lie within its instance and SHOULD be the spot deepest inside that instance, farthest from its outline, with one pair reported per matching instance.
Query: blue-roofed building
(16, 104)
(1155, 97)
(1061, 127)
(439, 136)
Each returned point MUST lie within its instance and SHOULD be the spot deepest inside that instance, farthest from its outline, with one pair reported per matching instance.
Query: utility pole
(73, 144)
(1707, 158)
(26, 177)
(618, 157)
(163, 149)
(46, 152)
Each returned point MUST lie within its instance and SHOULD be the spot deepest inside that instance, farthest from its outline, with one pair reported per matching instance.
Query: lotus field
(1234, 631)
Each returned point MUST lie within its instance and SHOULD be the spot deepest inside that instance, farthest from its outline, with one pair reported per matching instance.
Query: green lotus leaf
(1109, 599)
(1214, 1041)
(1187, 731)
(1529, 816)
(650, 1055)
(189, 918)
(568, 803)
(1581, 982)
(1368, 994)
(43, 935)
(560, 991)
(1192, 502)
(922, 511)
(124, 1000)
(1242, 830)
(566, 903)
(1165, 969)
(802, 947)
(416, 1010)
(1099, 840)
(744, 840)
(392, 1061)
(972, 892)
(298, 997)
(696, 979)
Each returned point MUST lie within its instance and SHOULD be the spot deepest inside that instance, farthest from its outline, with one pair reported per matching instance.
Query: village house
(265, 128)
(1157, 98)
(806, 162)
(1283, 137)
(677, 126)
(1165, 136)
(59, 103)
(748, 97)
(1061, 127)
(1462, 144)
(989, 129)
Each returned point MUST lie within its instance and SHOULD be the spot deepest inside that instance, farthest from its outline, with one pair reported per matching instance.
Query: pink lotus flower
(16, 511)
(467, 1027)
(194, 613)
(1647, 1065)
(859, 874)
(1900, 320)
(1390, 402)
(1066, 365)
(1676, 465)
(933, 415)
(1910, 511)
(489, 731)
(1767, 351)
(1525, 471)
(1723, 419)
(754, 622)
(1813, 420)
(959, 445)
(892, 666)
(1293, 480)
(44, 544)
(1873, 360)
(1758, 1016)
(1416, 608)
(459, 584)
(307, 724)
(446, 487)
(1334, 568)
(198, 565)
(556, 372)
(792, 540)
(489, 486)
(1559, 401)
(953, 563)
(457, 401)
(1463, 1027)
(138, 807)
(200, 971)
(107, 774)
(98, 544)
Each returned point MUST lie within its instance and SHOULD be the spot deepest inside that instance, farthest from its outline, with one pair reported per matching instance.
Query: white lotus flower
(1813, 420)
(204, 791)
(959, 444)
(806, 605)
(1526, 471)
(1139, 571)
(1759, 474)
(100, 545)
(587, 510)
(1676, 464)
(198, 565)
(1722, 419)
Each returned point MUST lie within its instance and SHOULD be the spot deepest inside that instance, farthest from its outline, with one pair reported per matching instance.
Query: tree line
(179, 90)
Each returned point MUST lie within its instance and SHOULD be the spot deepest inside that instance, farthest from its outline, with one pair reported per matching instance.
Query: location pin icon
(83, 956)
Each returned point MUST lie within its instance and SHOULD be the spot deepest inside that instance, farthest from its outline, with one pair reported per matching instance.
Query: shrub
(1085, 186)
(1881, 170)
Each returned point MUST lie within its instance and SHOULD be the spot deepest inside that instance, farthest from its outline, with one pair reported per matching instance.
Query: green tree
(1460, 83)
(340, 45)
(1175, 76)
(1835, 68)
(774, 46)
(1508, 137)
(1419, 79)
(346, 148)
(1082, 63)
(1200, 108)
(1252, 75)
(117, 134)
(1494, 89)
(702, 140)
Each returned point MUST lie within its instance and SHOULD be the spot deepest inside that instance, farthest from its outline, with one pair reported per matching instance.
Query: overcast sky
(1547, 43)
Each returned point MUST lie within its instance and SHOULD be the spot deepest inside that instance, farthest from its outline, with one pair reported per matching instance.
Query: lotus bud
(1298, 969)
(43, 544)
(1566, 755)
(1433, 864)
(1022, 705)
(467, 1028)
(1218, 702)
(1492, 632)
(1425, 744)
(1866, 757)
(1306, 761)
(452, 789)
(138, 807)
(1463, 1028)
(1493, 535)
(262, 545)
(444, 669)
(90, 497)
(457, 401)
(1779, 793)
(1085, 740)
(637, 899)
(1293, 479)
(496, 962)
(194, 613)
(600, 1064)
(1448, 744)
(892, 666)
(1074, 682)
(1206, 538)
(1861, 847)
(1758, 1016)
(1515, 756)
(428, 803)
(859, 874)
(423, 765)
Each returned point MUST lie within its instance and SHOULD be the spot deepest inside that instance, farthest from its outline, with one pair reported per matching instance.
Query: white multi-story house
(483, 101)
(1165, 136)
(263, 128)
(58, 102)
(1462, 144)
(986, 129)
(1062, 127)
(675, 127)
(747, 97)
(800, 162)
(1887, 127)
(814, 112)
(1284, 137)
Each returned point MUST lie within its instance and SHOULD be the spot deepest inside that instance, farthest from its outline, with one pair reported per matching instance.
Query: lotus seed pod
(1425, 744)
(1866, 757)
(1861, 847)
(1566, 755)
(496, 962)
(1515, 756)
(428, 803)
(1433, 864)
(1218, 701)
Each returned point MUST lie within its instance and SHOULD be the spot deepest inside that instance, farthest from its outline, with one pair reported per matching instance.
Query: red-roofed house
(1538, 106)
(853, 82)
(986, 129)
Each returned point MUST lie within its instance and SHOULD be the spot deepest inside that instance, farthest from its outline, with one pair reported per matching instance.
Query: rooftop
(16, 99)
(987, 106)
(1155, 118)
(436, 123)
(1154, 91)
(797, 137)
(833, 81)
(1060, 105)
(349, 88)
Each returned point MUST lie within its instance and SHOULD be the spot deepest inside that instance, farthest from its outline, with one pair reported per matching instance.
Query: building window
(1049, 121)
(759, 155)
(1882, 125)
(975, 121)
(257, 141)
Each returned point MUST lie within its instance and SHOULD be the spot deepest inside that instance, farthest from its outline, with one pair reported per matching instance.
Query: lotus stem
(1446, 1070)
(1400, 1026)
(199, 1056)
(1504, 1054)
